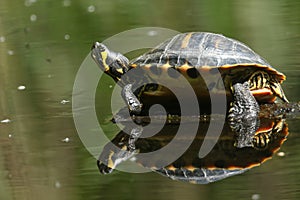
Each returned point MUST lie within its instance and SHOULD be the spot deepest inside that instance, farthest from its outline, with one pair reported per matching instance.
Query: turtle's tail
(278, 91)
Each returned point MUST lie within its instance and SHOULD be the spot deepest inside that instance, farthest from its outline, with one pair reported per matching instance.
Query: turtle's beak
(99, 46)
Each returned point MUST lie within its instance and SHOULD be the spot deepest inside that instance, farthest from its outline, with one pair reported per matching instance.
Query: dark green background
(36, 164)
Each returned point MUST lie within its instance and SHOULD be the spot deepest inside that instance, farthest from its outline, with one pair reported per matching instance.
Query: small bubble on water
(57, 184)
(110, 86)
(10, 176)
(67, 37)
(28, 3)
(21, 87)
(66, 3)
(281, 154)
(2, 39)
(10, 52)
(9, 135)
(255, 197)
(5, 121)
(64, 101)
(91, 8)
(66, 140)
(33, 17)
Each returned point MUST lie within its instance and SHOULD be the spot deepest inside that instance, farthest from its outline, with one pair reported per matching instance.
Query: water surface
(43, 43)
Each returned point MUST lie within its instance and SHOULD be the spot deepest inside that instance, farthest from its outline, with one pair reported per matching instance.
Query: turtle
(224, 160)
(193, 55)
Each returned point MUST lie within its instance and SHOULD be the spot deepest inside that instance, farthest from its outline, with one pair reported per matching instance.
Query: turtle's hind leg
(243, 114)
(244, 104)
(134, 105)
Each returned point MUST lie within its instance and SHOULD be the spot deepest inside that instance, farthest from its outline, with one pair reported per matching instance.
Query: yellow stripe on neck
(104, 57)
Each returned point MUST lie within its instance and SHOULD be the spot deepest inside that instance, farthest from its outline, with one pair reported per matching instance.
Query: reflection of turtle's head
(112, 63)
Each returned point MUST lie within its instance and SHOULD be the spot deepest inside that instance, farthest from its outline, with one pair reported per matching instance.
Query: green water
(42, 45)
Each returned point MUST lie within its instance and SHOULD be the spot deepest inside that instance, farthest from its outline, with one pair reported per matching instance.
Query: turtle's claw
(131, 100)
(134, 106)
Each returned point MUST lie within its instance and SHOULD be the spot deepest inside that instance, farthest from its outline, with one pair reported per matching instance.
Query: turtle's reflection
(227, 158)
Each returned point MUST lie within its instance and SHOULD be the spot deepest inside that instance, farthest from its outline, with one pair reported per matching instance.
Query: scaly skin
(119, 149)
(134, 105)
(243, 114)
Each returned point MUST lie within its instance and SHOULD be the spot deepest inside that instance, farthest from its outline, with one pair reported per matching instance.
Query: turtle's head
(112, 63)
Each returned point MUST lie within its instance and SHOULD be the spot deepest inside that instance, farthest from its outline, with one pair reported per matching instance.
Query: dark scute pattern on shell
(173, 73)
(202, 49)
(192, 73)
(155, 70)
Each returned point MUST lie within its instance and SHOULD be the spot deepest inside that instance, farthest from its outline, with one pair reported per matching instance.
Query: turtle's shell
(199, 57)
(201, 49)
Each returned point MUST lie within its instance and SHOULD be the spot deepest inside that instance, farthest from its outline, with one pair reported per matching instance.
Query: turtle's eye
(117, 68)
(122, 62)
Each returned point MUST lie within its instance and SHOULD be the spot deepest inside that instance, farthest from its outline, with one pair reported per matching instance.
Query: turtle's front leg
(243, 114)
(131, 100)
(120, 149)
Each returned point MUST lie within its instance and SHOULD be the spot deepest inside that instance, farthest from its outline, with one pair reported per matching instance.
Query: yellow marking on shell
(171, 167)
(186, 40)
(147, 66)
(206, 68)
(167, 65)
(184, 67)
(246, 167)
(104, 57)
(267, 129)
(191, 168)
